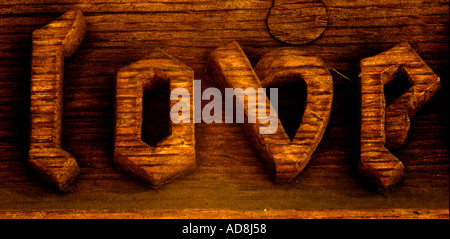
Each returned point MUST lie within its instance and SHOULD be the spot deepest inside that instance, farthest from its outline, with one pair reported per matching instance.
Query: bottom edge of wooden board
(227, 214)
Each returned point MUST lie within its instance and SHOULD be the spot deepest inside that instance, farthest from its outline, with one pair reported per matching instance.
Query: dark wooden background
(230, 180)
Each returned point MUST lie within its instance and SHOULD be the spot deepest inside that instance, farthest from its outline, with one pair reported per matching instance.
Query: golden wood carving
(284, 158)
(174, 156)
(381, 126)
(51, 44)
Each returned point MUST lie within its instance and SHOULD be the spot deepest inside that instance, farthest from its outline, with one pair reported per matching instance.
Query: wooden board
(230, 178)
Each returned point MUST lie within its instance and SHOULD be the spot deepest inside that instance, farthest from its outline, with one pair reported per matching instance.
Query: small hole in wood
(396, 87)
(291, 103)
(155, 114)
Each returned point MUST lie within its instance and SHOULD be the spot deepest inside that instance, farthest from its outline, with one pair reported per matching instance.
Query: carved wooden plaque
(84, 96)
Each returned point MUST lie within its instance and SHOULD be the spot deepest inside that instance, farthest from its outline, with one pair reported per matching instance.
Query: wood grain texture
(282, 67)
(51, 44)
(172, 157)
(284, 158)
(229, 173)
(425, 84)
(389, 126)
(297, 22)
(228, 214)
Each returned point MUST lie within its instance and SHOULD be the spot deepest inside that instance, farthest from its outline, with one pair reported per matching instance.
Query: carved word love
(229, 67)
